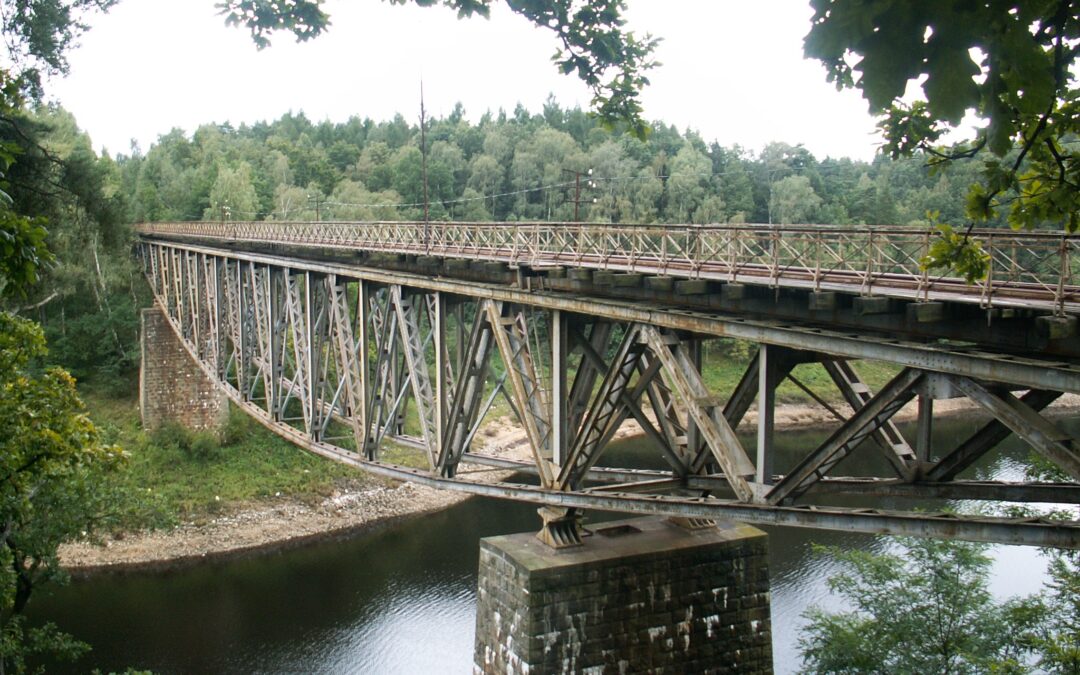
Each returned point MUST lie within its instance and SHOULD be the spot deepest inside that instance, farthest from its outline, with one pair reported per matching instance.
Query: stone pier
(172, 388)
(641, 595)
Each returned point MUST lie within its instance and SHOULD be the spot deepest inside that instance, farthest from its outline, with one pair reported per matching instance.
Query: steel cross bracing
(1026, 269)
(337, 358)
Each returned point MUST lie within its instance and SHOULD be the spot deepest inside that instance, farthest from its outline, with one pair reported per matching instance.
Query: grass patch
(176, 475)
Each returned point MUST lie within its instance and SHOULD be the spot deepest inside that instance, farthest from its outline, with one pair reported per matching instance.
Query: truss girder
(333, 359)
(892, 443)
(408, 309)
(685, 380)
(877, 410)
(466, 396)
(606, 414)
(1048, 440)
(511, 330)
(585, 376)
(979, 443)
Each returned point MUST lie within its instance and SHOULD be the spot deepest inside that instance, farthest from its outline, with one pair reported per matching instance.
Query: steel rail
(1027, 269)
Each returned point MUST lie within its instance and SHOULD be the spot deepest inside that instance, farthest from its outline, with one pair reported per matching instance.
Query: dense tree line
(523, 166)
(520, 166)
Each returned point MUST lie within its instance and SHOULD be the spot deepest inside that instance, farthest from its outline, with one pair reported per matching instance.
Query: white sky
(732, 70)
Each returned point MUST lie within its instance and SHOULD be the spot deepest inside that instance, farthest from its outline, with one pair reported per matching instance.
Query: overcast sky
(732, 70)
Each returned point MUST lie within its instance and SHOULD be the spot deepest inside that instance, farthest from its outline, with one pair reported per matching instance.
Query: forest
(506, 167)
(520, 166)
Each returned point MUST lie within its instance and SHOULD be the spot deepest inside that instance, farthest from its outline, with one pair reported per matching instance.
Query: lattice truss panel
(348, 364)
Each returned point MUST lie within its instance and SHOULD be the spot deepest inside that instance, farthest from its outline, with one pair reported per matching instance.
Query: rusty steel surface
(341, 358)
(1026, 269)
(1030, 371)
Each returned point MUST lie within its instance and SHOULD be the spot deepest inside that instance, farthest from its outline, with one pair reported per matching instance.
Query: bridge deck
(1026, 269)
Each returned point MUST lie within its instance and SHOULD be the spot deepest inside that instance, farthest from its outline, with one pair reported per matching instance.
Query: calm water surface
(402, 599)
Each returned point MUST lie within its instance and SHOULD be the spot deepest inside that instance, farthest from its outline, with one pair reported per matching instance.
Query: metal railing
(1026, 269)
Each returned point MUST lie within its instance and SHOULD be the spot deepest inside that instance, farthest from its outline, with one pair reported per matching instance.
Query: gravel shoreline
(288, 523)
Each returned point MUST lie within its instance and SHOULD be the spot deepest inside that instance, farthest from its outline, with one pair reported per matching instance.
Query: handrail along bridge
(333, 334)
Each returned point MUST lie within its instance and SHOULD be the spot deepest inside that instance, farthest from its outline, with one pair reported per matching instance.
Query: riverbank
(288, 522)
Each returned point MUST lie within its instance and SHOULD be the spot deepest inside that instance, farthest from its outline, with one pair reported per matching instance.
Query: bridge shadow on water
(401, 599)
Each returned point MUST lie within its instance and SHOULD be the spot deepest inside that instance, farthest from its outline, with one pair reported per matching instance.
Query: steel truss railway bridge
(343, 336)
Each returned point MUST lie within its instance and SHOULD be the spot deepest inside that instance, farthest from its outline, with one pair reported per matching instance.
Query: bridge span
(342, 337)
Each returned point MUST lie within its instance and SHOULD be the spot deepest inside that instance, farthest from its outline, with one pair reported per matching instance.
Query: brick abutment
(172, 387)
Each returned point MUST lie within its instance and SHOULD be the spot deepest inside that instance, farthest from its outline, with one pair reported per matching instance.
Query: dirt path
(287, 523)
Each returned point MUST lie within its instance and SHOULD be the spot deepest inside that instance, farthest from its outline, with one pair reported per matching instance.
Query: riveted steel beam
(280, 335)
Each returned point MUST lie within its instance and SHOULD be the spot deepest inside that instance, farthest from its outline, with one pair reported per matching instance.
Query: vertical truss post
(766, 413)
(559, 432)
(925, 428)
(465, 396)
(298, 324)
(314, 322)
(977, 445)
(367, 381)
(232, 323)
(175, 275)
(259, 279)
(585, 378)
(610, 407)
(186, 311)
(442, 380)
(278, 323)
(220, 270)
(150, 264)
(349, 379)
(691, 349)
(248, 335)
(202, 328)
(307, 306)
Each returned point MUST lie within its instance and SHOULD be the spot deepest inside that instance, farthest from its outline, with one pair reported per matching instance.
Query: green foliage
(518, 167)
(38, 34)
(1058, 645)
(52, 460)
(593, 43)
(22, 252)
(197, 446)
(923, 609)
(957, 252)
(1011, 63)
(793, 200)
(20, 643)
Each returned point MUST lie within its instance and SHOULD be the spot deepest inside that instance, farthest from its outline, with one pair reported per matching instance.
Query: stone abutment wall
(172, 388)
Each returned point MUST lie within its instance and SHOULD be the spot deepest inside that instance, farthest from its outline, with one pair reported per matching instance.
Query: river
(402, 599)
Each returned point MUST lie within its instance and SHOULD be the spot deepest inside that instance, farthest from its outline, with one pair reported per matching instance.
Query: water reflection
(402, 599)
